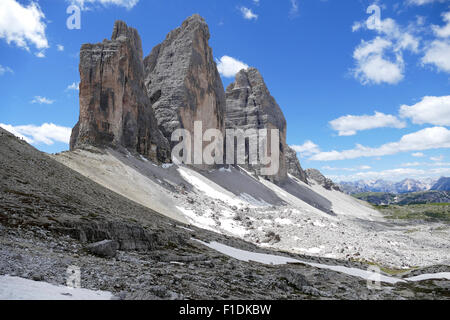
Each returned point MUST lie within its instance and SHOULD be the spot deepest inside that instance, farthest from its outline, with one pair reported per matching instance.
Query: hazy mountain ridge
(380, 185)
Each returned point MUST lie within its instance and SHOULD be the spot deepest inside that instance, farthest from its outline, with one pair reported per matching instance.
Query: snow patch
(15, 288)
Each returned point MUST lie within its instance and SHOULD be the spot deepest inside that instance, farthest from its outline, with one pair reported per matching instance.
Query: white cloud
(349, 125)
(380, 60)
(87, 4)
(418, 154)
(42, 100)
(307, 149)
(48, 133)
(40, 54)
(432, 110)
(228, 66)
(60, 47)
(74, 86)
(412, 164)
(4, 70)
(23, 26)
(422, 2)
(438, 54)
(440, 158)
(372, 66)
(444, 31)
(425, 139)
(248, 13)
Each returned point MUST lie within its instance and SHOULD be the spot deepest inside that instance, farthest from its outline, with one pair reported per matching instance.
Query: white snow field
(295, 217)
(248, 256)
(15, 288)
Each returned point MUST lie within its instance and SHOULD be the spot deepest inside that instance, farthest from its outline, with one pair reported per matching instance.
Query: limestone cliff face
(114, 107)
(183, 82)
(293, 165)
(249, 105)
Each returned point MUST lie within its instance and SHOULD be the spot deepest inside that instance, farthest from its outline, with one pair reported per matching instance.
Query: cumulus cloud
(22, 25)
(380, 60)
(307, 149)
(425, 139)
(88, 4)
(437, 53)
(229, 66)
(4, 70)
(42, 100)
(431, 110)
(47, 133)
(349, 125)
(444, 31)
(248, 14)
(372, 65)
(418, 154)
(60, 47)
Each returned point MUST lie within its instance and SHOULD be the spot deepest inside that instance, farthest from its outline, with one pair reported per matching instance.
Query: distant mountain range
(423, 197)
(404, 186)
(443, 184)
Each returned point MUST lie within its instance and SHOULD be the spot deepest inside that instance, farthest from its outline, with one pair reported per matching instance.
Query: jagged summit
(182, 80)
(130, 101)
(251, 106)
(114, 108)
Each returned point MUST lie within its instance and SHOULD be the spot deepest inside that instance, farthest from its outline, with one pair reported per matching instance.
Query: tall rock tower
(114, 107)
(249, 105)
(182, 80)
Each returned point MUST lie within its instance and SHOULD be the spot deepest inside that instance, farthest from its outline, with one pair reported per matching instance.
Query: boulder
(105, 248)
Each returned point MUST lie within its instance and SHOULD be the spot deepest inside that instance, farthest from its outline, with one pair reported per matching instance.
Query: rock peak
(115, 110)
(249, 105)
(121, 29)
(182, 80)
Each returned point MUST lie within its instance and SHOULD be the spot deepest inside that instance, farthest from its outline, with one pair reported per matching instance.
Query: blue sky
(364, 97)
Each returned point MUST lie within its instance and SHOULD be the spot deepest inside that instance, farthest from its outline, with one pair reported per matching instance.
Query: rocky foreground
(49, 214)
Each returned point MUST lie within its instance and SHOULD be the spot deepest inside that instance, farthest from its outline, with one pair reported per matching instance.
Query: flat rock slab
(105, 248)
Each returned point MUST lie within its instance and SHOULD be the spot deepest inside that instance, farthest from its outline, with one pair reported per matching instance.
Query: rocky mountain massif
(182, 80)
(137, 103)
(143, 228)
(53, 218)
(250, 106)
(443, 184)
(114, 107)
